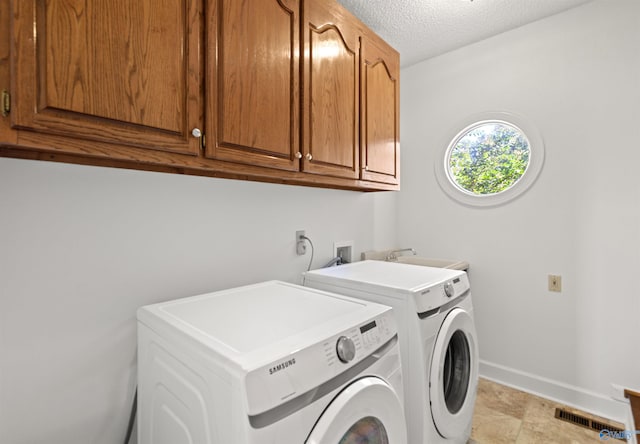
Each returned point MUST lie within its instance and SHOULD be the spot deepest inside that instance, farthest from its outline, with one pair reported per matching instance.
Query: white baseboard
(566, 394)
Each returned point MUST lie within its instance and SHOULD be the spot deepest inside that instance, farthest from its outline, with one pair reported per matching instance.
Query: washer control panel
(442, 292)
(448, 289)
(345, 349)
(359, 342)
(305, 369)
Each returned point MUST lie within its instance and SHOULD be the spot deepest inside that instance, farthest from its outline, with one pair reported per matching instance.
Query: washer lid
(389, 278)
(255, 324)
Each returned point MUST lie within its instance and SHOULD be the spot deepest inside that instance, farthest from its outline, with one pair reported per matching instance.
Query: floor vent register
(585, 421)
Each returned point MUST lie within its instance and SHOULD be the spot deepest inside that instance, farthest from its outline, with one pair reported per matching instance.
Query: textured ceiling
(420, 29)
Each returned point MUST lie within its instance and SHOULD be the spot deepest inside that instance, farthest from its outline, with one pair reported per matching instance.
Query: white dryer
(437, 339)
(269, 363)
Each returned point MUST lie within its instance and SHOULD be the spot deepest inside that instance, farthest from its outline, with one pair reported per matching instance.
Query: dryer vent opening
(583, 420)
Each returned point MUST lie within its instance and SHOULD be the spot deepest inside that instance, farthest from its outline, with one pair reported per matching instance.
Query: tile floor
(506, 415)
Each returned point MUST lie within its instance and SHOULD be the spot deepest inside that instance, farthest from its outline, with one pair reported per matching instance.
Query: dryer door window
(456, 371)
(368, 410)
(454, 374)
(367, 429)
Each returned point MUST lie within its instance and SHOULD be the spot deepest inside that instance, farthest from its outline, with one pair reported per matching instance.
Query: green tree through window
(489, 158)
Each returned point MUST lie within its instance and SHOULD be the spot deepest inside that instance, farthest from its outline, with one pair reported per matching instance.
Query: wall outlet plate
(301, 245)
(555, 283)
(344, 250)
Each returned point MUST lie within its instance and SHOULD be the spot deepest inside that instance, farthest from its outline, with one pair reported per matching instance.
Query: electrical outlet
(555, 283)
(301, 245)
(344, 250)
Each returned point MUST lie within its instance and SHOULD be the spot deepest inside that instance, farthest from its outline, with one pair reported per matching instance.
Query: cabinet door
(118, 71)
(380, 112)
(331, 90)
(7, 135)
(253, 74)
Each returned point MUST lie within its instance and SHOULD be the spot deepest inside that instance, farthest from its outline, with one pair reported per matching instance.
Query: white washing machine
(437, 339)
(270, 363)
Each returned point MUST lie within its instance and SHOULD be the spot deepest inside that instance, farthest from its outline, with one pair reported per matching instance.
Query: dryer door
(368, 410)
(453, 377)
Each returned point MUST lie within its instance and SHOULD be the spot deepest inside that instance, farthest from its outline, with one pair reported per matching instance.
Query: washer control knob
(448, 289)
(346, 349)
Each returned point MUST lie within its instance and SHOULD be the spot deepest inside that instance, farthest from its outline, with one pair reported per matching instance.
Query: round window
(491, 160)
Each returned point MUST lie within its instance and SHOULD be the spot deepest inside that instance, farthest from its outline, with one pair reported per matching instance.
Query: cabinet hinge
(6, 103)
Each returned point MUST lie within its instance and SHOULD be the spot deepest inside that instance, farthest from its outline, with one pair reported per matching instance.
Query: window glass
(489, 158)
(493, 159)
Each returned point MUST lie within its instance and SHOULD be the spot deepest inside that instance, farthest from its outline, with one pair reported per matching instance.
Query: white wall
(576, 76)
(82, 247)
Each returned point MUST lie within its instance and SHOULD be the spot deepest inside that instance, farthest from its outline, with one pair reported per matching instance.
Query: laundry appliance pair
(438, 343)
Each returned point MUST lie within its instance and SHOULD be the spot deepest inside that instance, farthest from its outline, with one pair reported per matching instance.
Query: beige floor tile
(528, 436)
(540, 423)
(501, 398)
(492, 426)
(505, 415)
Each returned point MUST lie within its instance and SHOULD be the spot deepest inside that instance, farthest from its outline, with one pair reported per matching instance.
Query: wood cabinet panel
(380, 112)
(109, 70)
(285, 91)
(253, 94)
(6, 133)
(331, 91)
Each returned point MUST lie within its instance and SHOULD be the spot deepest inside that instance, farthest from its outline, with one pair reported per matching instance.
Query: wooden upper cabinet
(253, 104)
(331, 90)
(117, 71)
(286, 91)
(380, 112)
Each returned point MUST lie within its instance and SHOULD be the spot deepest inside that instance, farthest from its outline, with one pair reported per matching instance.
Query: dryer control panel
(358, 342)
(318, 366)
(442, 293)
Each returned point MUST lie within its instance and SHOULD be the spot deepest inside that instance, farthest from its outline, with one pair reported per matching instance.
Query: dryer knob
(346, 349)
(448, 289)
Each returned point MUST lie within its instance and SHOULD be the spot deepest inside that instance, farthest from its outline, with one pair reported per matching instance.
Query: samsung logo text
(282, 366)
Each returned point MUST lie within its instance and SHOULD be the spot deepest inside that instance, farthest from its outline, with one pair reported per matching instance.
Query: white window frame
(536, 160)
